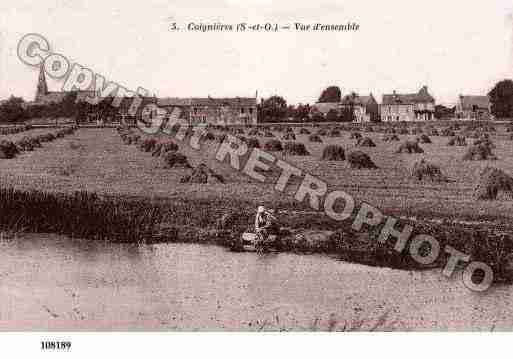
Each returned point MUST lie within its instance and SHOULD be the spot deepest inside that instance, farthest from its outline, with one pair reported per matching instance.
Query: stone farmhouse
(418, 106)
(473, 107)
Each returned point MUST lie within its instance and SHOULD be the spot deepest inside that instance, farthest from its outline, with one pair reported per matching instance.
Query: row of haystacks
(9, 149)
(12, 130)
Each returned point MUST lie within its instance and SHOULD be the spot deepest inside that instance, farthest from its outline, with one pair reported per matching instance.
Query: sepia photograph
(255, 166)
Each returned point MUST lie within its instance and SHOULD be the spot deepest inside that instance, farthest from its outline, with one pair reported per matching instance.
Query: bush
(360, 160)
(175, 159)
(273, 146)
(314, 138)
(479, 153)
(333, 153)
(424, 138)
(425, 170)
(410, 147)
(491, 182)
(295, 149)
(365, 142)
(457, 141)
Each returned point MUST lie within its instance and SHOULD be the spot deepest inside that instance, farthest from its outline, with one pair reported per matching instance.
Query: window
(242, 110)
(251, 110)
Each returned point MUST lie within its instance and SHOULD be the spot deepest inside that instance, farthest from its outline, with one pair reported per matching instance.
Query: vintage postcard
(247, 166)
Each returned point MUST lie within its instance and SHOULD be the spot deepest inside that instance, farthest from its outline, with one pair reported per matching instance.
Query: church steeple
(42, 87)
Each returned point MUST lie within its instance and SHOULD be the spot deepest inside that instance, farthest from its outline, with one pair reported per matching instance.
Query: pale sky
(453, 47)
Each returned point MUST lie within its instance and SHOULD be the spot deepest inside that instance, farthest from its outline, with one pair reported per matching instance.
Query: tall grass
(80, 214)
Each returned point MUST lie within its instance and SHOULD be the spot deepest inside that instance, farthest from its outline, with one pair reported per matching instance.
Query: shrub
(314, 138)
(365, 142)
(410, 147)
(478, 153)
(295, 149)
(424, 138)
(273, 146)
(175, 159)
(360, 160)
(457, 141)
(491, 182)
(425, 170)
(333, 153)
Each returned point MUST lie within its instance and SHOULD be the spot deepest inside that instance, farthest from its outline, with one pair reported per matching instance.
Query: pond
(49, 282)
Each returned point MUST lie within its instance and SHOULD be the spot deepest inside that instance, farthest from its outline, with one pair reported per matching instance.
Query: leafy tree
(316, 115)
(331, 94)
(501, 98)
(12, 110)
(443, 112)
(273, 109)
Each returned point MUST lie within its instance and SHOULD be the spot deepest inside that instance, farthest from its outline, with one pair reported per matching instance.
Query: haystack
(365, 142)
(148, 144)
(314, 138)
(334, 133)
(360, 160)
(273, 146)
(479, 153)
(390, 137)
(355, 136)
(175, 159)
(491, 182)
(289, 136)
(8, 149)
(203, 175)
(209, 136)
(424, 170)
(457, 141)
(26, 144)
(403, 131)
(485, 141)
(434, 132)
(424, 138)
(304, 131)
(295, 149)
(389, 130)
(410, 147)
(333, 153)
(447, 132)
(269, 134)
(253, 143)
(322, 132)
(368, 129)
(163, 147)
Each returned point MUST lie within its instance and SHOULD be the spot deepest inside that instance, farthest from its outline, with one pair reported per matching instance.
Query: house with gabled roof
(473, 107)
(418, 106)
(364, 108)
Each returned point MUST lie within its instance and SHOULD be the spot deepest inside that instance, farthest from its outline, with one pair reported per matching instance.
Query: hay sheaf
(417, 131)
(447, 132)
(203, 175)
(360, 160)
(424, 139)
(365, 142)
(304, 131)
(314, 138)
(8, 149)
(273, 146)
(269, 134)
(424, 170)
(333, 153)
(355, 136)
(295, 149)
(289, 136)
(390, 137)
(410, 147)
(457, 141)
(175, 159)
(493, 181)
(403, 131)
(479, 152)
(334, 133)
(322, 132)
